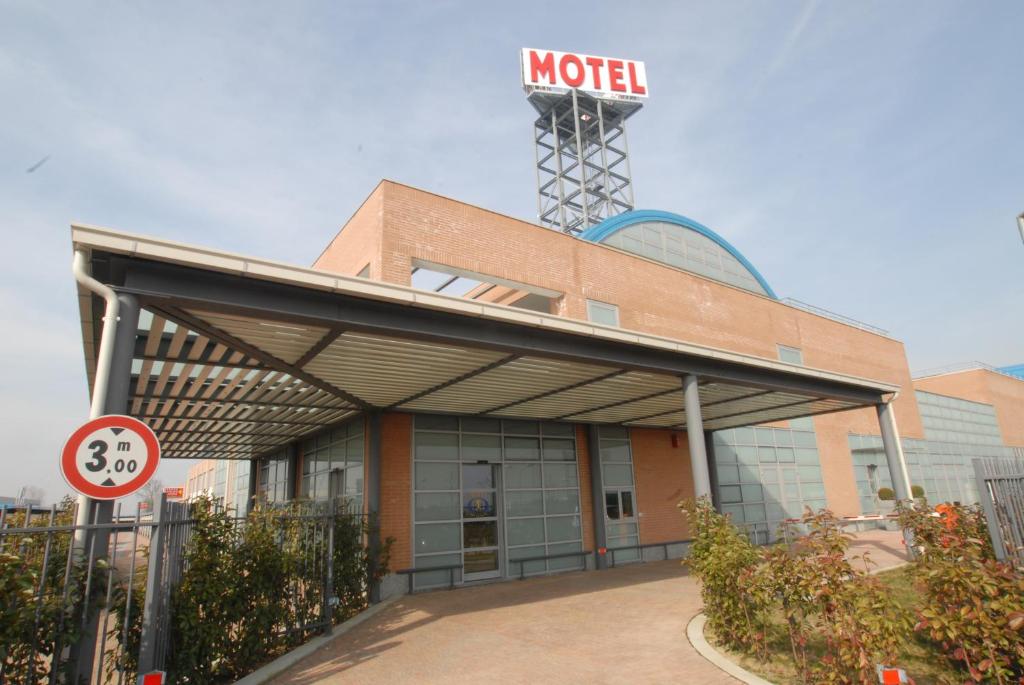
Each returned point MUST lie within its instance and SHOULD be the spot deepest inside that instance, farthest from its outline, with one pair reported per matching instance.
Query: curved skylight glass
(681, 243)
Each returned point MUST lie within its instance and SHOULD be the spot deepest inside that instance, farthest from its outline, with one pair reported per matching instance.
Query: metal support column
(153, 604)
(597, 496)
(581, 148)
(695, 436)
(709, 445)
(293, 470)
(115, 401)
(254, 472)
(373, 499)
(897, 463)
(557, 142)
(894, 452)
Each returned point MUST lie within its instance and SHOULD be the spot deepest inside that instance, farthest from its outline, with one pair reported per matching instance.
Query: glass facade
(338, 454)
(534, 495)
(685, 249)
(274, 483)
(956, 431)
(220, 481)
(767, 475)
(241, 494)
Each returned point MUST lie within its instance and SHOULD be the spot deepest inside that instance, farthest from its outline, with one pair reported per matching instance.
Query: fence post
(329, 600)
(154, 590)
(988, 506)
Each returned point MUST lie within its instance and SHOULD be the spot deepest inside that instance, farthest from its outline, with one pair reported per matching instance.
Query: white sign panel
(604, 77)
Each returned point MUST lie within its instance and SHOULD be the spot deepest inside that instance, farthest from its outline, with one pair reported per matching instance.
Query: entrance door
(481, 543)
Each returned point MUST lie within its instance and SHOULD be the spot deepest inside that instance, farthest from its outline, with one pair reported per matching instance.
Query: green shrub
(916, 491)
(812, 583)
(822, 589)
(886, 494)
(974, 604)
(736, 598)
(251, 592)
(41, 612)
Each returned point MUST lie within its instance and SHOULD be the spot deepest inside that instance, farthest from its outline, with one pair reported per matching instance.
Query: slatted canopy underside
(226, 386)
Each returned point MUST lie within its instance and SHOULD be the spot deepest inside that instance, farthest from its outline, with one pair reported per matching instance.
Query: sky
(866, 157)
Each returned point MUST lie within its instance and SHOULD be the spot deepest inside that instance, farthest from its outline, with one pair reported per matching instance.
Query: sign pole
(110, 394)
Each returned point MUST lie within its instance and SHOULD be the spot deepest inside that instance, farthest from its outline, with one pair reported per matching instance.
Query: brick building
(509, 399)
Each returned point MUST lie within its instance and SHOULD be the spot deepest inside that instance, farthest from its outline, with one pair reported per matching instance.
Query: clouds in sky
(866, 157)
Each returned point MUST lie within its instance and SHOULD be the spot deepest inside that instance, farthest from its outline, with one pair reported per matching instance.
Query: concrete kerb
(695, 634)
(269, 671)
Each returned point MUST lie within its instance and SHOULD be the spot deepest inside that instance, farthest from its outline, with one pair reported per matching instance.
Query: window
(790, 355)
(333, 462)
(602, 313)
(274, 484)
(619, 504)
(241, 502)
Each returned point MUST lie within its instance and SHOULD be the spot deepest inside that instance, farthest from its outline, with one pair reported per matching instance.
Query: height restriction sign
(110, 457)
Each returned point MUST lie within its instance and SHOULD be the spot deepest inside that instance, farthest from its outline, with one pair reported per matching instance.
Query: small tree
(150, 492)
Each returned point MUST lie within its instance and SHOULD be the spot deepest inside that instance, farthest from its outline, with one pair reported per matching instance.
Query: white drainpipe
(103, 363)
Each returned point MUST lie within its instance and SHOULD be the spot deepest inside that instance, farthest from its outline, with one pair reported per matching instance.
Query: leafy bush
(246, 593)
(736, 598)
(822, 591)
(916, 491)
(974, 604)
(886, 494)
(251, 592)
(41, 609)
(811, 583)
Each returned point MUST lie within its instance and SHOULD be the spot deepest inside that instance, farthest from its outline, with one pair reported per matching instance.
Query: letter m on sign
(542, 67)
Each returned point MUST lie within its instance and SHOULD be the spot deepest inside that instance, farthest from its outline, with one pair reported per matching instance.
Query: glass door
(481, 543)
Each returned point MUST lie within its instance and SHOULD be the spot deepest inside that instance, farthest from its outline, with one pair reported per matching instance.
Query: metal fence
(1001, 491)
(92, 603)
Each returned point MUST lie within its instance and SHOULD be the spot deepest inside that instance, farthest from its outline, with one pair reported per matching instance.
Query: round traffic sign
(110, 457)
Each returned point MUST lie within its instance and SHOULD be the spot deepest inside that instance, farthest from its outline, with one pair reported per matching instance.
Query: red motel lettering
(601, 76)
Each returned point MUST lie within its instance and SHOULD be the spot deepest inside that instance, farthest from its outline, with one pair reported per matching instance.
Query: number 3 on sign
(110, 457)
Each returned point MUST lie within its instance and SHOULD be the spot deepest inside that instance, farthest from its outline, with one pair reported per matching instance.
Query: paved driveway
(623, 625)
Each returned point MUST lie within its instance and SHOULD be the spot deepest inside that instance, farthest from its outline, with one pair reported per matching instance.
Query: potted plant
(886, 501)
(917, 492)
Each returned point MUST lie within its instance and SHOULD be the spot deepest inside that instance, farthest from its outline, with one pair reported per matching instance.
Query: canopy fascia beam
(181, 286)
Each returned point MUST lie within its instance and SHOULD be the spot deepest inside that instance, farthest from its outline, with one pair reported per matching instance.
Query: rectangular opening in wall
(472, 285)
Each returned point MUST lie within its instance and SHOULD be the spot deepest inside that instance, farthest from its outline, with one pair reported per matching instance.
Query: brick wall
(663, 477)
(586, 494)
(396, 486)
(359, 241)
(398, 224)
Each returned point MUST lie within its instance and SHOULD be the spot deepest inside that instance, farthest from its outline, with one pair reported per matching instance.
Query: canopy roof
(236, 357)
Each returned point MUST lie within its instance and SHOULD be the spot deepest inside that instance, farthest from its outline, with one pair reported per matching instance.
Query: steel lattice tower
(582, 156)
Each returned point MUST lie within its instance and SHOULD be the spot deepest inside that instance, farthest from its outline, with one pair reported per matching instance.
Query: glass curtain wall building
(956, 431)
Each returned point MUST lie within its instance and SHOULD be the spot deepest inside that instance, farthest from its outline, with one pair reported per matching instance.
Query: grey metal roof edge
(157, 249)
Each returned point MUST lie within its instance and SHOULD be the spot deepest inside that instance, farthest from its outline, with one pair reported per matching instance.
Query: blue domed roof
(607, 230)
